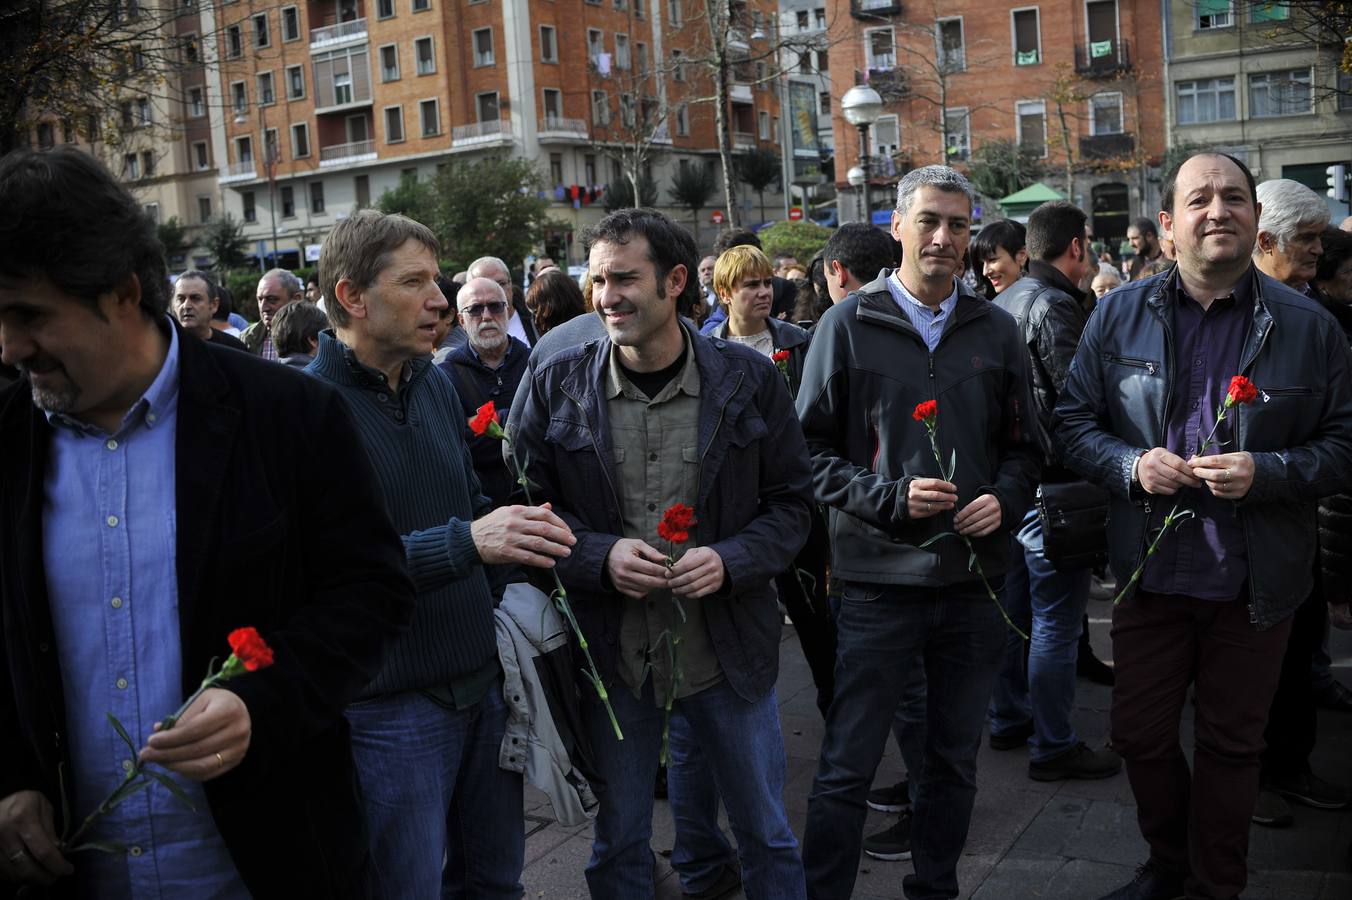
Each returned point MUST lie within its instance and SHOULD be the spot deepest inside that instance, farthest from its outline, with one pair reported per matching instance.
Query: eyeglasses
(494, 308)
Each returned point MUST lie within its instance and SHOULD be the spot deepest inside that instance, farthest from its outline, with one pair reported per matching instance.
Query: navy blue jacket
(1115, 407)
(753, 504)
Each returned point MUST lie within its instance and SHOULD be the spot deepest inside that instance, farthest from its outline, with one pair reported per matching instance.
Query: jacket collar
(1051, 276)
(786, 334)
(336, 362)
(877, 306)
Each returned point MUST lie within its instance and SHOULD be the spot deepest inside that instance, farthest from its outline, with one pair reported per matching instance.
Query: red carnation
(925, 411)
(676, 523)
(485, 421)
(250, 648)
(1242, 390)
(780, 356)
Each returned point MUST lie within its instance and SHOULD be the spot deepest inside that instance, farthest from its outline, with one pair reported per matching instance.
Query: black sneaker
(729, 881)
(894, 799)
(1012, 739)
(1334, 696)
(1152, 882)
(1271, 811)
(892, 844)
(1077, 762)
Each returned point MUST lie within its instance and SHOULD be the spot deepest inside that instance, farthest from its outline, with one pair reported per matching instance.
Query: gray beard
(59, 401)
(494, 346)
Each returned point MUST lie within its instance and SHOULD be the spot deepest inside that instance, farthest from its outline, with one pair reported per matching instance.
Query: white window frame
(243, 142)
(197, 102)
(1117, 24)
(482, 59)
(422, 116)
(432, 56)
(299, 128)
(939, 24)
(965, 134)
(394, 10)
(239, 97)
(1228, 19)
(1093, 118)
(380, 52)
(1018, 122)
(628, 112)
(675, 15)
(201, 156)
(1268, 78)
(261, 37)
(1214, 85)
(763, 125)
(890, 121)
(870, 61)
(282, 15)
(600, 108)
(545, 94)
(259, 80)
(677, 64)
(234, 41)
(321, 209)
(200, 209)
(414, 7)
(385, 123)
(497, 102)
(282, 194)
(1014, 34)
(623, 56)
(553, 55)
(289, 83)
(682, 120)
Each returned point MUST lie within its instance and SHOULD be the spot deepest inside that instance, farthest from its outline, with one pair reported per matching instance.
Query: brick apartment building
(339, 99)
(1083, 73)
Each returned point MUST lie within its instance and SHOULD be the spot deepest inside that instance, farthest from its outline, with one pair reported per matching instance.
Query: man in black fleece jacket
(427, 733)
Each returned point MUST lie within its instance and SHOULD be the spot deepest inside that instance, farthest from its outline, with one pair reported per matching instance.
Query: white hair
(288, 279)
(941, 177)
(488, 260)
(1289, 206)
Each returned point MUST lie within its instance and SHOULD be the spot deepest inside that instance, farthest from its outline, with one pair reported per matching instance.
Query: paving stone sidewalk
(1060, 841)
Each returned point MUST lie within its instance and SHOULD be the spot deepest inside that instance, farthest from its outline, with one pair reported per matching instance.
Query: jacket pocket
(1134, 362)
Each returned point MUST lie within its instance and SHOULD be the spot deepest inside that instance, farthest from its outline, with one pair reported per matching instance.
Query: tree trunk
(718, 32)
(761, 195)
(1070, 159)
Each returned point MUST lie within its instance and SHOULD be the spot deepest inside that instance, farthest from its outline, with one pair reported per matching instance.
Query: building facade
(329, 103)
(1247, 78)
(1077, 84)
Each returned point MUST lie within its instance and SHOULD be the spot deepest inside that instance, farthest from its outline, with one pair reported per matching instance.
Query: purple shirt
(1204, 557)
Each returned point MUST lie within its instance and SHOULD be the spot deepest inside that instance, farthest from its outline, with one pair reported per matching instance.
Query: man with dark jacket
(1034, 699)
(617, 431)
(910, 588)
(428, 729)
(1214, 602)
(156, 494)
(486, 368)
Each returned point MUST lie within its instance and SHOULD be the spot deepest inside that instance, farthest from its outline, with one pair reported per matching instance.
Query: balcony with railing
(339, 34)
(1106, 146)
(874, 9)
(237, 171)
(493, 133)
(555, 129)
(743, 141)
(346, 154)
(662, 134)
(1102, 59)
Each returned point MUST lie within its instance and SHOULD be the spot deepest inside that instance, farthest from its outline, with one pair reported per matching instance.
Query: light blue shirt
(927, 320)
(109, 550)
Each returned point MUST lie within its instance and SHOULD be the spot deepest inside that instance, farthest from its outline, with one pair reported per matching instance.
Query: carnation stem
(1176, 515)
(566, 608)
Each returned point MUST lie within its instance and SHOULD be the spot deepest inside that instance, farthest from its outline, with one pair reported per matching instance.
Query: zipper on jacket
(1148, 365)
(614, 495)
(722, 412)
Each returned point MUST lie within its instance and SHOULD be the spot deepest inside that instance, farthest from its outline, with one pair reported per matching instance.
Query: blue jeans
(1043, 690)
(745, 752)
(433, 790)
(956, 633)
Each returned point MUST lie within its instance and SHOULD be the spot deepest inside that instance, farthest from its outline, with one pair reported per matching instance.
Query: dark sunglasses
(475, 310)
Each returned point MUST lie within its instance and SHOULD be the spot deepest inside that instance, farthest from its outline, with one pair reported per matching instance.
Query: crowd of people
(453, 527)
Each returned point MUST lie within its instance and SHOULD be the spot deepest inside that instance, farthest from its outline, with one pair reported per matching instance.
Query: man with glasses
(487, 367)
(519, 320)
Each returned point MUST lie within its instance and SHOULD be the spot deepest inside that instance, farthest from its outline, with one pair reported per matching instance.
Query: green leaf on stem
(952, 465)
(121, 732)
(173, 788)
(971, 557)
(120, 795)
(65, 800)
(101, 846)
(935, 538)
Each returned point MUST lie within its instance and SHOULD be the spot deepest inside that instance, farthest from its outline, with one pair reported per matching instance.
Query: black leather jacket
(867, 368)
(1051, 320)
(1114, 409)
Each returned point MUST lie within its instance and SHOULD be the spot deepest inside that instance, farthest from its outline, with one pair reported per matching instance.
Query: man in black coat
(218, 507)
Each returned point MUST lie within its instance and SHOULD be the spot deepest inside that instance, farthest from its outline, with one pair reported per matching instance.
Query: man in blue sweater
(427, 731)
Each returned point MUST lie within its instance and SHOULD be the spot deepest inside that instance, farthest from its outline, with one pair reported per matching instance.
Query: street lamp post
(856, 179)
(861, 107)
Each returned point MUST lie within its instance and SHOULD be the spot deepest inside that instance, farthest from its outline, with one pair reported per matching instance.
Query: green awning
(1021, 203)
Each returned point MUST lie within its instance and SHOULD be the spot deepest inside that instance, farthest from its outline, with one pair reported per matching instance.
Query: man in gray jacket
(910, 587)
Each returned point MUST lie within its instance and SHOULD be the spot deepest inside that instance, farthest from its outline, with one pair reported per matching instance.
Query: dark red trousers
(1196, 821)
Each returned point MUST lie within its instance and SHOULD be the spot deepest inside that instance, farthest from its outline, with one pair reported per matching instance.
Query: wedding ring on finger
(220, 761)
(1227, 476)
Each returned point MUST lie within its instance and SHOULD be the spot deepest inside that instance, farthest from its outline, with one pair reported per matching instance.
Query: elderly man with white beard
(487, 367)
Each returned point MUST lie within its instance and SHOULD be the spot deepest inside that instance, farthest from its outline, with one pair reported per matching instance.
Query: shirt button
(652, 457)
(1197, 362)
(135, 851)
(116, 602)
(111, 445)
(150, 417)
(399, 414)
(45, 647)
(122, 684)
(652, 507)
(382, 397)
(112, 521)
(127, 765)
